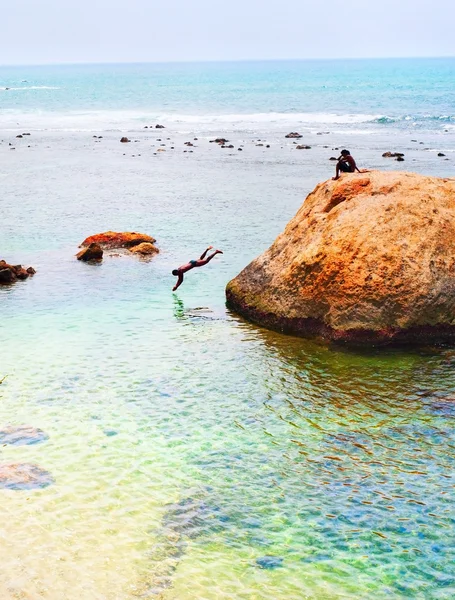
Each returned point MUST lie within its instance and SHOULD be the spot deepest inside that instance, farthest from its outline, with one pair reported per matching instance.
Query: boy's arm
(179, 282)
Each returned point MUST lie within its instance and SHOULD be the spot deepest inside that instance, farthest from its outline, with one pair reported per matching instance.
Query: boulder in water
(91, 252)
(114, 239)
(11, 273)
(368, 259)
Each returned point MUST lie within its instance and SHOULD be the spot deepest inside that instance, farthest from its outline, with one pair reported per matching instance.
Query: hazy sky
(55, 31)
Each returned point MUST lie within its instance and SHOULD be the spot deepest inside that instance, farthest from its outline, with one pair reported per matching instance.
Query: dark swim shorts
(193, 262)
(345, 167)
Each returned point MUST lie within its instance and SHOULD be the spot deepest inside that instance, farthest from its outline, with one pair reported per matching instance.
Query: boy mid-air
(192, 264)
(345, 164)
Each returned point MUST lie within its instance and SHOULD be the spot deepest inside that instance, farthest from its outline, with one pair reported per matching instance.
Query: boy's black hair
(345, 152)
(175, 272)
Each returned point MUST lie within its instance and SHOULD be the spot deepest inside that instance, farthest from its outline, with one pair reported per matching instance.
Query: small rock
(268, 146)
(159, 127)
(303, 147)
(91, 252)
(124, 140)
(219, 141)
(441, 154)
(240, 149)
(146, 248)
(7, 276)
(399, 159)
(293, 134)
(259, 144)
(110, 432)
(188, 144)
(19, 136)
(146, 127)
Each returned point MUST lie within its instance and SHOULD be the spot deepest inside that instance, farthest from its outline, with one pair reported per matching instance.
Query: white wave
(135, 120)
(28, 87)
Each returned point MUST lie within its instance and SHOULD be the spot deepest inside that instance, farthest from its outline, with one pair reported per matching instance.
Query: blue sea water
(406, 92)
(188, 453)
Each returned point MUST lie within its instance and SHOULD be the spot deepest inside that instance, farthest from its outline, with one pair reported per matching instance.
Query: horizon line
(225, 60)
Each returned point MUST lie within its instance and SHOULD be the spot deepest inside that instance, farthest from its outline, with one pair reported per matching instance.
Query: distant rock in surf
(393, 155)
(368, 259)
(159, 127)
(293, 134)
(125, 140)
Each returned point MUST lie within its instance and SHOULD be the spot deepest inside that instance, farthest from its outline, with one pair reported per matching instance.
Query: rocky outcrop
(368, 259)
(146, 248)
(91, 252)
(115, 239)
(11, 273)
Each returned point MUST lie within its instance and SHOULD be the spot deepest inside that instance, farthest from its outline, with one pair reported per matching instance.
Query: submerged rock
(368, 259)
(92, 252)
(269, 562)
(191, 517)
(114, 239)
(24, 476)
(293, 134)
(22, 435)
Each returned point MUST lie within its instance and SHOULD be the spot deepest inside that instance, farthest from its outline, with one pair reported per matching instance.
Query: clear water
(195, 455)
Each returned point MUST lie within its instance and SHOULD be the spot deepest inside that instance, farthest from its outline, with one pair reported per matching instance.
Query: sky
(99, 31)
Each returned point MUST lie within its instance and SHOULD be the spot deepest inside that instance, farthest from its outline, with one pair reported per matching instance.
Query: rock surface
(91, 252)
(115, 239)
(11, 273)
(368, 259)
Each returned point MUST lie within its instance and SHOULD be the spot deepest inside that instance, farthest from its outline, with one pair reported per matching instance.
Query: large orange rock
(115, 239)
(369, 258)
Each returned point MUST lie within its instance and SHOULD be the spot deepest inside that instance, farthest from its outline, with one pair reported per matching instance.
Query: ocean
(193, 455)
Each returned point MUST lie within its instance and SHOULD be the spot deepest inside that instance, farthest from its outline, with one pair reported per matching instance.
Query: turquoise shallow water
(195, 455)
